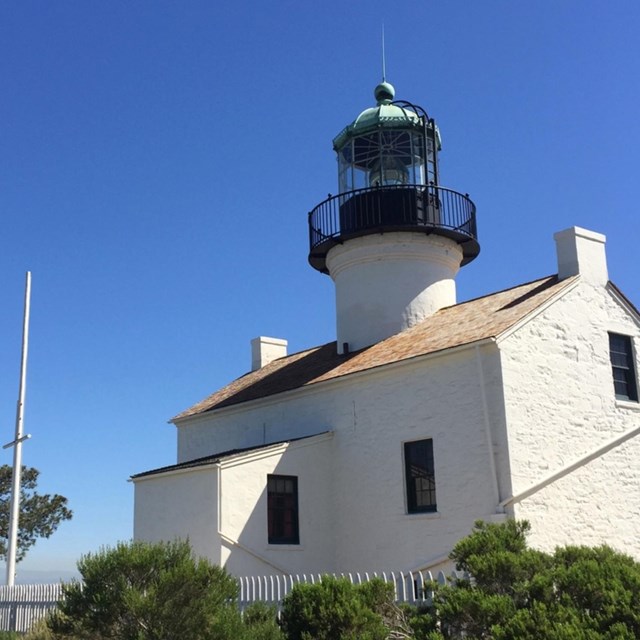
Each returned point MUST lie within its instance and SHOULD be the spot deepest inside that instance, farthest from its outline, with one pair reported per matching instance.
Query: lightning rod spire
(384, 62)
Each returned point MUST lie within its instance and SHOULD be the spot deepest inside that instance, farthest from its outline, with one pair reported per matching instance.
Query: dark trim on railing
(417, 208)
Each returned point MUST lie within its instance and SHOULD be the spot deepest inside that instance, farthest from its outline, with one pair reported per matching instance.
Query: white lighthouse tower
(392, 239)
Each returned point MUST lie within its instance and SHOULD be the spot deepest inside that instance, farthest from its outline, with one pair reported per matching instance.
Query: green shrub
(518, 593)
(336, 609)
(260, 623)
(142, 591)
(39, 631)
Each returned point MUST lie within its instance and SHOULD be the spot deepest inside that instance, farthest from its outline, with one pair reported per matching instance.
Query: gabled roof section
(624, 298)
(461, 324)
(219, 457)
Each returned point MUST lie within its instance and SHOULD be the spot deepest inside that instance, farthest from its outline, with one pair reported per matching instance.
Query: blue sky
(158, 159)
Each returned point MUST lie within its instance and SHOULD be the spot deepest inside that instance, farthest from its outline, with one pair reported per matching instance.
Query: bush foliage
(515, 593)
(521, 593)
(335, 608)
(144, 591)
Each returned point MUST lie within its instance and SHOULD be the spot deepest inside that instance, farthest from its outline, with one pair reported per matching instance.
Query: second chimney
(582, 252)
(264, 350)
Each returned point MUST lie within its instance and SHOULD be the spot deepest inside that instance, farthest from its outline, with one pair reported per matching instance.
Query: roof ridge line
(495, 293)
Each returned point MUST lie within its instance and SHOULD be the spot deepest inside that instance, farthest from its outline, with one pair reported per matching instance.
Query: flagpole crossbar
(18, 441)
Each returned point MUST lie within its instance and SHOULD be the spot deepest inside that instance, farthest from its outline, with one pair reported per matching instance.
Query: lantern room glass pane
(418, 159)
(384, 158)
(350, 175)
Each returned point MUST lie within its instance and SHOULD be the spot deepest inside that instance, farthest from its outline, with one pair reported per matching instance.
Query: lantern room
(388, 181)
(389, 144)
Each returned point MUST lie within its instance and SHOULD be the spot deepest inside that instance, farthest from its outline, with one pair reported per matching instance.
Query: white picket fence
(412, 586)
(23, 605)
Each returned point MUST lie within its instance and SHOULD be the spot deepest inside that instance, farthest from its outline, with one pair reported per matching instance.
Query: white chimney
(264, 350)
(581, 252)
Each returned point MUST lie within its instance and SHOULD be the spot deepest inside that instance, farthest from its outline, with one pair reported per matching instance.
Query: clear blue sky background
(158, 159)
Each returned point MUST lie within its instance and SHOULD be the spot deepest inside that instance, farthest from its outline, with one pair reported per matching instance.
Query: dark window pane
(420, 476)
(282, 509)
(619, 360)
(622, 366)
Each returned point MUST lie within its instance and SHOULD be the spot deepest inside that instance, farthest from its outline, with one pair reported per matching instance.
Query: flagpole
(16, 476)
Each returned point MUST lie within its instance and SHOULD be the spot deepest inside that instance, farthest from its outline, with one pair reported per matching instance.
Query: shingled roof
(464, 323)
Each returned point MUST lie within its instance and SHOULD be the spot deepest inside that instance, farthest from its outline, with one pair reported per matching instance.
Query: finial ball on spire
(384, 93)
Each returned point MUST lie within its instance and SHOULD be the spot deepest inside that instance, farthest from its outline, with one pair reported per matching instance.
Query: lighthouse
(441, 414)
(392, 239)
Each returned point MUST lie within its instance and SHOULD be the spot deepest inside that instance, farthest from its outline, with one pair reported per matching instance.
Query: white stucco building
(380, 450)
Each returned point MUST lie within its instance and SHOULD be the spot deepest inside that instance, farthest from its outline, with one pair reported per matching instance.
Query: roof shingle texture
(454, 326)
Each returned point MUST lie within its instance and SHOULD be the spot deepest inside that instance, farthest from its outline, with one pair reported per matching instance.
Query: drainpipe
(487, 428)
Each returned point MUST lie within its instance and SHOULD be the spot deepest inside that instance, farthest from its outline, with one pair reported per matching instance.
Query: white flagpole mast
(16, 477)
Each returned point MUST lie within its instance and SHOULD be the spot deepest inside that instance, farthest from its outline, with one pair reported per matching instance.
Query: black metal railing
(427, 209)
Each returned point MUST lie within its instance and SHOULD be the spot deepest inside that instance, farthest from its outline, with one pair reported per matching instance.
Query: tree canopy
(40, 515)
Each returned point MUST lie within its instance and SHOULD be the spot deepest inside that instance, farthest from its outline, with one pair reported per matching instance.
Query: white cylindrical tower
(393, 239)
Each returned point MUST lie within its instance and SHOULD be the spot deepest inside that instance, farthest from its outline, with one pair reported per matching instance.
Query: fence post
(13, 617)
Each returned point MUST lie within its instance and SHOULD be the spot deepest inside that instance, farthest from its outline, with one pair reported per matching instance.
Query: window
(624, 375)
(420, 476)
(282, 509)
